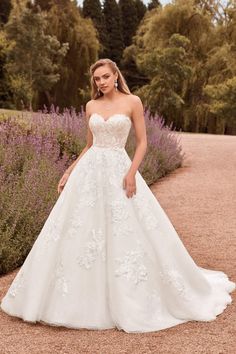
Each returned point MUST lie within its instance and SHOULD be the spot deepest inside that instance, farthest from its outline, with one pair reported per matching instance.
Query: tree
(33, 57)
(65, 22)
(217, 9)
(167, 70)
(188, 108)
(5, 8)
(154, 4)
(128, 10)
(93, 10)
(141, 9)
(45, 5)
(112, 16)
(6, 98)
(223, 103)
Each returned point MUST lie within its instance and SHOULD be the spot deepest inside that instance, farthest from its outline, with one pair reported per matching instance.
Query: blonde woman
(108, 256)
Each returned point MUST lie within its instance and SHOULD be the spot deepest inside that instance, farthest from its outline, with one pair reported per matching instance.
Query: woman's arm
(140, 134)
(129, 182)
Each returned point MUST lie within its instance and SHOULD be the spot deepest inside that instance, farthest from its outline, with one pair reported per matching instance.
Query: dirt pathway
(200, 199)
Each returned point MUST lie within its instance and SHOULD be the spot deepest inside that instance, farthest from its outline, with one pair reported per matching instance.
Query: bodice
(112, 132)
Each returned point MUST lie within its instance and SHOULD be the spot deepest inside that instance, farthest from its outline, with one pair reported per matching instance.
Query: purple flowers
(164, 152)
(35, 150)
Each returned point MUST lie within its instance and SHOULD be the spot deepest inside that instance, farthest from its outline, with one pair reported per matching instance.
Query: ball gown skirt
(103, 260)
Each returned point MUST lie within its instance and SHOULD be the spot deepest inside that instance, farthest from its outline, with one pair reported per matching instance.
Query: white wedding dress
(103, 260)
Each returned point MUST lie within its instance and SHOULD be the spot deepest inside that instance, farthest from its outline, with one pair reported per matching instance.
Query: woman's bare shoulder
(90, 103)
(90, 106)
(134, 102)
(134, 98)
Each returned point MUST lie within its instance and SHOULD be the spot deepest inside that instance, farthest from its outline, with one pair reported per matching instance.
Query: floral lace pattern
(100, 259)
(145, 212)
(89, 193)
(131, 265)
(75, 227)
(111, 133)
(119, 211)
(120, 218)
(93, 248)
(51, 233)
(122, 230)
(17, 284)
(59, 281)
(173, 278)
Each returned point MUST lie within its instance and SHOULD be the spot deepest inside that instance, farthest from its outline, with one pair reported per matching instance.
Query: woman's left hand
(129, 184)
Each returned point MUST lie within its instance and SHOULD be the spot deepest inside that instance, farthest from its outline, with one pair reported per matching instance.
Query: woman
(108, 256)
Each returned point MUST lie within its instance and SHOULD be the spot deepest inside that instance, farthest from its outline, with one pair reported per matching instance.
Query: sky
(80, 2)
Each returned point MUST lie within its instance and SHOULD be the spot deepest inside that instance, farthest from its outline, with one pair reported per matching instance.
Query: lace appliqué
(119, 217)
(110, 134)
(88, 189)
(52, 231)
(145, 211)
(92, 250)
(112, 179)
(131, 265)
(59, 281)
(173, 278)
(89, 193)
(118, 211)
(18, 283)
(76, 222)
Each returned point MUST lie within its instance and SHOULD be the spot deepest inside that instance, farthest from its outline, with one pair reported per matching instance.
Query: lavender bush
(164, 153)
(29, 173)
(35, 150)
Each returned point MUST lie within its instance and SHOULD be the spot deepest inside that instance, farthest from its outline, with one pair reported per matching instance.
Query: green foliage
(134, 10)
(223, 99)
(141, 9)
(181, 49)
(42, 65)
(93, 10)
(128, 10)
(28, 179)
(32, 57)
(5, 91)
(113, 24)
(5, 8)
(66, 24)
(172, 56)
(19, 226)
(153, 4)
(167, 69)
(45, 5)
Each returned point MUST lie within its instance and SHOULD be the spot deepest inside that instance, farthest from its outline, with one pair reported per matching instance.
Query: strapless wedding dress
(103, 260)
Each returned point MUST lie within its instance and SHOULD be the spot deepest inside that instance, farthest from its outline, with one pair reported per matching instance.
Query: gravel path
(200, 200)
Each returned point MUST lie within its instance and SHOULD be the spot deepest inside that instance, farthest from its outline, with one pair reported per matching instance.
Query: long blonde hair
(122, 86)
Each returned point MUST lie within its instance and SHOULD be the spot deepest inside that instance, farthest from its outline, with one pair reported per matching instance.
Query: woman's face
(104, 79)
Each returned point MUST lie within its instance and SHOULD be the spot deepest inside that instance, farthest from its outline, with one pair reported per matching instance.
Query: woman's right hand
(62, 182)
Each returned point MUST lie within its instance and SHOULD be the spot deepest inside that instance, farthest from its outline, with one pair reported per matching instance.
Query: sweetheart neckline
(116, 114)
